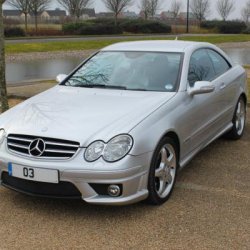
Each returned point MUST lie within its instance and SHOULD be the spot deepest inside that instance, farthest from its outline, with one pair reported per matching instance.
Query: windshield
(150, 71)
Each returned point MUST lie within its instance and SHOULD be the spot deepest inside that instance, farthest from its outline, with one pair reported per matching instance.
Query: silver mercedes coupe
(119, 127)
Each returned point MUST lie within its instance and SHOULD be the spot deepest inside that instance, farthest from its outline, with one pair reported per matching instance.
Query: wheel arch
(153, 197)
(173, 135)
(244, 96)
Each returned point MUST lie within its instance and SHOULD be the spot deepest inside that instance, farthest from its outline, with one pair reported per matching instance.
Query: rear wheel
(163, 171)
(239, 121)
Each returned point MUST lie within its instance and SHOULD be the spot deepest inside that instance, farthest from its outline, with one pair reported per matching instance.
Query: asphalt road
(91, 38)
(209, 209)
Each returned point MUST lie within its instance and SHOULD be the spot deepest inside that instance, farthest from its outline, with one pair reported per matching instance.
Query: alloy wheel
(240, 117)
(165, 171)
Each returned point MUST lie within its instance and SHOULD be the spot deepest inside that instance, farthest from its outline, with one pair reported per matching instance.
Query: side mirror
(61, 77)
(201, 87)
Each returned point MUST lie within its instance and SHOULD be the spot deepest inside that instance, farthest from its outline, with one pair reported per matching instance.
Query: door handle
(223, 85)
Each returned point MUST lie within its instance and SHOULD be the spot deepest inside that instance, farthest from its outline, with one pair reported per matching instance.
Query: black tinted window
(200, 68)
(220, 64)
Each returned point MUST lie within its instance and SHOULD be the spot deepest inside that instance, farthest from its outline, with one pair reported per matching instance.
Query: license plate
(33, 174)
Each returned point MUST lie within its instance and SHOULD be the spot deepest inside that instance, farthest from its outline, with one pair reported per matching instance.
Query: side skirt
(186, 160)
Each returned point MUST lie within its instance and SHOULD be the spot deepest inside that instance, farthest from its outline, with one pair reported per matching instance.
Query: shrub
(232, 27)
(99, 29)
(13, 32)
(247, 30)
(225, 27)
(143, 26)
(210, 24)
(44, 32)
(109, 21)
(71, 28)
(89, 28)
(107, 27)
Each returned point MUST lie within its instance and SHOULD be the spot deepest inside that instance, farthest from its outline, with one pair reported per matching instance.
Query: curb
(18, 97)
(28, 82)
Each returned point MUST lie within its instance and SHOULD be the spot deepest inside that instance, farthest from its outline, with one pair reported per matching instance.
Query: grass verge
(97, 44)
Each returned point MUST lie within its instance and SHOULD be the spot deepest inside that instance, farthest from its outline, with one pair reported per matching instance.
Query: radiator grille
(42, 147)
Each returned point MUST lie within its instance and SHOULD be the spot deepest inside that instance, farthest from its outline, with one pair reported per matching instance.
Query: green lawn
(97, 44)
(219, 38)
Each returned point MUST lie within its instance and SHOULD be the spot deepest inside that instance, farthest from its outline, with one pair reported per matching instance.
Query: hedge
(247, 30)
(143, 26)
(210, 24)
(232, 27)
(225, 27)
(87, 28)
(13, 32)
(107, 27)
(99, 29)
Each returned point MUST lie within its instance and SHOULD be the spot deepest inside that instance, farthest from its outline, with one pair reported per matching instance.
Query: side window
(200, 67)
(219, 63)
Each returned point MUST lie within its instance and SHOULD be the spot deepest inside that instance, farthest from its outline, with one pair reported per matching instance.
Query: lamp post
(187, 16)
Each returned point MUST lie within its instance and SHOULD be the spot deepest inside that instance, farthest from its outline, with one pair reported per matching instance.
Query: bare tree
(117, 6)
(144, 7)
(23, 6)
(175, 9)
(225, 8)
(200, 9)
(149, 7)
(75, 8)
(3, 90)
(154, 6)
(38, 6)
(246, 12)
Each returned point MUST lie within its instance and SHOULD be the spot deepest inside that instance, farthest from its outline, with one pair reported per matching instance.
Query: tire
(239, 121)
(163, 172)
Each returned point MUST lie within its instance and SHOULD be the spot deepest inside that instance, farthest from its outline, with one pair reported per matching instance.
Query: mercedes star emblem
(37, 147)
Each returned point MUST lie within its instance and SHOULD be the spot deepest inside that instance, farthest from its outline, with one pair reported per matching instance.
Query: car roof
(156, 46)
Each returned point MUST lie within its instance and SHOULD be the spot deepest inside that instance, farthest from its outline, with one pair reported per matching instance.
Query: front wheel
(163, 171)
(239, 121)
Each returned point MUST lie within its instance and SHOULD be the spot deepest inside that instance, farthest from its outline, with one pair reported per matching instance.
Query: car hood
(82, 114)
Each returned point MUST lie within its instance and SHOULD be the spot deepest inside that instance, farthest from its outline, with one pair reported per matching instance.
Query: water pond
(20, 72)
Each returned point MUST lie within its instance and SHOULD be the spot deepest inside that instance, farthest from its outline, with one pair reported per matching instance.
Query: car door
(225, 79)
(202, 110)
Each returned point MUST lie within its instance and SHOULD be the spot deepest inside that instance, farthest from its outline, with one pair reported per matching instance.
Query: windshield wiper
(115, 87)
(90, 85)
(100, 86)
(138, 89)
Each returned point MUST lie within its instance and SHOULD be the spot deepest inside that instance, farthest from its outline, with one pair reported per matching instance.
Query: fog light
(114, 190)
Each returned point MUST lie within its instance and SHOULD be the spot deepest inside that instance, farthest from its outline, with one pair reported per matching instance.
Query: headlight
(94, 151)
(117, 148)
(2, 134)
(114, 150)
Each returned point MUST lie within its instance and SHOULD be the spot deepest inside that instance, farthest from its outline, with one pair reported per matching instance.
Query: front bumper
(131, 173)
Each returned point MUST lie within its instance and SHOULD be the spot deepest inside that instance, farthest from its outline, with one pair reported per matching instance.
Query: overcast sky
(99, 6)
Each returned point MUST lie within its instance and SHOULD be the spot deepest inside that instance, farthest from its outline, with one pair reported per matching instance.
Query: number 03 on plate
(33, 174)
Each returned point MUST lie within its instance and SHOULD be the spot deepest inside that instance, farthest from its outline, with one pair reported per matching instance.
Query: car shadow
(73, 208)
